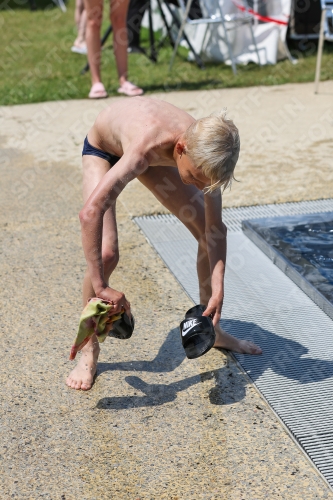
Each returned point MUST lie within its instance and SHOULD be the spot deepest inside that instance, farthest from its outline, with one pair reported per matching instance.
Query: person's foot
(226, 341)
(82, 376)
(97, 91)
(129, 89)
(79, 48)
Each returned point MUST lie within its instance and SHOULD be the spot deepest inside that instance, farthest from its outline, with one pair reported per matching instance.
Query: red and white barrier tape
(258, 16)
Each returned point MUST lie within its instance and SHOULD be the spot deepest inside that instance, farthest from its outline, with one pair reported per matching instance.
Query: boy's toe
(77, 385)
(69, 382)
(255, 348)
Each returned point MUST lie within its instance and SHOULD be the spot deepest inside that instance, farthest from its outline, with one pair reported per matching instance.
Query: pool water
(302, 243)
(309, 247)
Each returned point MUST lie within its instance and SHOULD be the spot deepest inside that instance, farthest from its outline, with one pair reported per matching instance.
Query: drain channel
(295, 372)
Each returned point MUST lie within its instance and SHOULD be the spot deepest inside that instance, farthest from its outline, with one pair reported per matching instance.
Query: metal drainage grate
(295, 372)
(233, 217)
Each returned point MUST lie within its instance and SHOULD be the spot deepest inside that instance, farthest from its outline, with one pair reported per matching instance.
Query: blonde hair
(213, 144)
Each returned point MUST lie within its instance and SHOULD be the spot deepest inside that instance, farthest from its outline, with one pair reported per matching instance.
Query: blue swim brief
(88, 149)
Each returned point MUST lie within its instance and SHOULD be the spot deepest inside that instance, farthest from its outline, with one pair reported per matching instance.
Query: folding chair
(60, 4)
(215, 16)
(326, 33)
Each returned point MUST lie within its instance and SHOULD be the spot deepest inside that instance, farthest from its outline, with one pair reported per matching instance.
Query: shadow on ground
(281, 355)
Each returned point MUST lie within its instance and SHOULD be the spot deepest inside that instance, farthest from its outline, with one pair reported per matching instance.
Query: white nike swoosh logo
(184, 332)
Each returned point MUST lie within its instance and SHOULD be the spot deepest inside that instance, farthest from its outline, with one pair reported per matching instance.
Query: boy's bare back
(148, 125)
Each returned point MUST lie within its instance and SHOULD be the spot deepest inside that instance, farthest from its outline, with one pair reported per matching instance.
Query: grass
(37, 64)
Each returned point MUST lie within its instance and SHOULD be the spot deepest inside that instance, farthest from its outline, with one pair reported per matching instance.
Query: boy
(156, 142)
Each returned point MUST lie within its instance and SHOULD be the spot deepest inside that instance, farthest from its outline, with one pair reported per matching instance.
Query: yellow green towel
(96, 318)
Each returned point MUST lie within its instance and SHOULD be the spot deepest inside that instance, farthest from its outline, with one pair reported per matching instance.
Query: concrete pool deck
(154, 425)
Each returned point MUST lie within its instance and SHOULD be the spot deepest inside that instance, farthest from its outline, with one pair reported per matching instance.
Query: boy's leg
(94, 169)
(187, 204)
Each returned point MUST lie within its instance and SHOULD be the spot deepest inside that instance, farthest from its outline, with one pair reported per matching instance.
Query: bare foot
(226, 341)
(82, 376)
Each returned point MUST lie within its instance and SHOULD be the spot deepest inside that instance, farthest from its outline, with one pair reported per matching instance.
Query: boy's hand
(117, 298)
(214, 309)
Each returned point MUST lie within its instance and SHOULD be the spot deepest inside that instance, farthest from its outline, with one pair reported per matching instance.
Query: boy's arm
(103, 197)
(216, 237)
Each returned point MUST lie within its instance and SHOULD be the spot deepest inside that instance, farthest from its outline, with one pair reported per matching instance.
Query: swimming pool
(302, 246)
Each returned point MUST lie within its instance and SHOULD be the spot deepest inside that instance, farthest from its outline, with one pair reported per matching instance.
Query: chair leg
(255, 43)
(204, 38)
(231, 55)
(292, 59)
(153, 54)
(61, 5)
(167, 27)
(320, 50)
(175, 20)
(197, 58)
(180, 32)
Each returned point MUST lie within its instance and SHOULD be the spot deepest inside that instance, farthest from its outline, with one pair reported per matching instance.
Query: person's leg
(187, 204)
(81, 36)
(94, 169)
(94, 12)
(78, 12)
(118, 16)
(80, 17)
